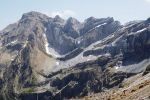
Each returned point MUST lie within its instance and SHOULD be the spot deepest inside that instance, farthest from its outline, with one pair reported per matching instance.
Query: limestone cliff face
(51, 58)
(63, 36)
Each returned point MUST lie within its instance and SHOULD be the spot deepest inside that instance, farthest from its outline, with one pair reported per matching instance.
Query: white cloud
(64, 14)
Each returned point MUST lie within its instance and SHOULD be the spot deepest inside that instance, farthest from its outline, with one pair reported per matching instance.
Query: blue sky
(122, 10)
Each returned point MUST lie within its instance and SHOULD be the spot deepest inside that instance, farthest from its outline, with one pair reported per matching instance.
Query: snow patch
(116, 67)
(46, 44)
(101, 25)
(50, 50)
(139, 31)
(97, 26)
(12, 59)
(25, 44)
(57, 63)
(12, 42)
(74, 61)
(78, 41)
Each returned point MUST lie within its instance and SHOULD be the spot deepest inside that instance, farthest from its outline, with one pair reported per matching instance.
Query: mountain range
(44, 58)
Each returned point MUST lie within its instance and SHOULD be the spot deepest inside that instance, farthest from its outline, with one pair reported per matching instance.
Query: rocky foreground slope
(43, 58)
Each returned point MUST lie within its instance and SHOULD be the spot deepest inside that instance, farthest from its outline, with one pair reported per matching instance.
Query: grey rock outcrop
(93, 56)
(63, 36)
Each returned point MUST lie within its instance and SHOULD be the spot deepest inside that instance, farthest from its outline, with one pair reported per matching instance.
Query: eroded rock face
(19, 74)
(97, 29)
(132, 42)
(75, 84)
(72, 28)
(82, 81)
(93, 55)
(63, 36)
(79, 81)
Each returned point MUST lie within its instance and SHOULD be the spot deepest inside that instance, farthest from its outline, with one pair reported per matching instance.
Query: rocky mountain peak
(34, 15)
(93, 20)
(92, 23)
(72, 20)
(147, 21)
(62, 35)
(58, 19)
(72, 27)
(90, 19)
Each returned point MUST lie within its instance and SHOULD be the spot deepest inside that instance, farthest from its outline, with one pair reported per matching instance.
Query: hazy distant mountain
(53, 59)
